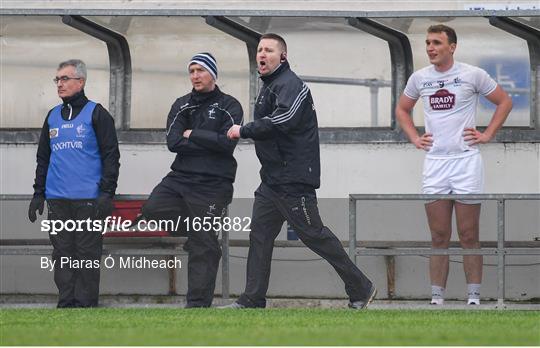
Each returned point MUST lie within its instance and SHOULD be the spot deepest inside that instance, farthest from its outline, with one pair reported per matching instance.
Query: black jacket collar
(77, 100)
(199, 97)
(280, 69)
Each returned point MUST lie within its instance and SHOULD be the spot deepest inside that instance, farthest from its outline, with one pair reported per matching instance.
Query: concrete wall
(360, 168)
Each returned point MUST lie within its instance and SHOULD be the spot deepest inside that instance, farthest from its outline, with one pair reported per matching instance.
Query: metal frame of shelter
(501, 250)
(230, 22)
(355, 247)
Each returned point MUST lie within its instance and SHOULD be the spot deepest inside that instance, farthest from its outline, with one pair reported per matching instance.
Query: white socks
(437, 295)
(473, 292)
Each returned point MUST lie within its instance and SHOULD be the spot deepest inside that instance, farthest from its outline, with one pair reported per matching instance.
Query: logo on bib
(80, 131)
(53, 133)
(442, 100)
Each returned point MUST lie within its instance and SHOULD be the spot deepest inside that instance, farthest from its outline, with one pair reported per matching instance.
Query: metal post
(352, 229)
(253, 80)
(119, 65)
(400, 55)
(532, 36)
(500, 253)
(243, 32)
(390, 261)
(374, 91)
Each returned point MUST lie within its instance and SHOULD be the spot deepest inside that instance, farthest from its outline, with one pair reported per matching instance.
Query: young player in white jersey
(453, 164)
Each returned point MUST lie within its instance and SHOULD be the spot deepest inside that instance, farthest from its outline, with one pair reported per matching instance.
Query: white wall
(360, 168)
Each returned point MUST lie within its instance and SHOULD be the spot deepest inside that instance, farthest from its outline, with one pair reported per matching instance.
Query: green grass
(113, 326)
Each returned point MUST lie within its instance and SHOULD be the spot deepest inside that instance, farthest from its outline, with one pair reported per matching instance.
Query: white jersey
(450, 99)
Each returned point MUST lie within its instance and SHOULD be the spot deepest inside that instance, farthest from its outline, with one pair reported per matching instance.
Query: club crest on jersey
(442, 100)
(53, 133)
(211, 209)
(80, 131)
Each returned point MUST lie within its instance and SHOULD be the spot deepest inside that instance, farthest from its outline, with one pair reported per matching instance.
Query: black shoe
(364, 304)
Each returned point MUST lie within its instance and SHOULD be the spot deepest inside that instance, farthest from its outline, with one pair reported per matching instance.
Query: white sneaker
(473, 301)
(234, 305)
(437, 301)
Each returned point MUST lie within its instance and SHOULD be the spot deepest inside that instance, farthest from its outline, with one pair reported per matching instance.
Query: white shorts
(461, 176)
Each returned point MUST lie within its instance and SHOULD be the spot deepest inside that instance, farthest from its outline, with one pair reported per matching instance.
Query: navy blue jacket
(207, 153)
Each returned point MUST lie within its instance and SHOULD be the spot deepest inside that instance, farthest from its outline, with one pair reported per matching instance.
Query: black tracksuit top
(103, 124)
(207, 153)
(285, 131)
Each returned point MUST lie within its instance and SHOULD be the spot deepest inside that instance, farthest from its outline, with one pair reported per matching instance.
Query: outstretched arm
(291, 100)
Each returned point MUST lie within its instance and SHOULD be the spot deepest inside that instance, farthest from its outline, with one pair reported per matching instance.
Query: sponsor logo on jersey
(67, 145)
(80, 131)
(442, 100)
(53, 133)
(67, 125)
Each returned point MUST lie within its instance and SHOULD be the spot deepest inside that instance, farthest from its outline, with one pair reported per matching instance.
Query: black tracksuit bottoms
(171, 199)
(77, 254)
(270, 210)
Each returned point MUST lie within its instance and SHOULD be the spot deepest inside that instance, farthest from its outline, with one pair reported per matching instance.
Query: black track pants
(270, 210)
(77, 254)
(204, 252)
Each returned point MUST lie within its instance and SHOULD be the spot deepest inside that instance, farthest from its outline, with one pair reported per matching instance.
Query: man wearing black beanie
(200, 185)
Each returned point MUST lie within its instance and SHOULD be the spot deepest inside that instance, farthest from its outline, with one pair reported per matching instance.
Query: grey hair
(79, 65)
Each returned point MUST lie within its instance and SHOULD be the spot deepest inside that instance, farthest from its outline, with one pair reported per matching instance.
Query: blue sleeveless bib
(75, 164)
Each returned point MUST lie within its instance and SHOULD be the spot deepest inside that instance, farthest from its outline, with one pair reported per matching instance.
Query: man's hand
(187, 133)
(36, 204)
(104, 206)
(473, 136)
(234, 132)
(424, 142)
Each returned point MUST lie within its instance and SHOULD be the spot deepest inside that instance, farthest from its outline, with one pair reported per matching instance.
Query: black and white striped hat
(207, 61)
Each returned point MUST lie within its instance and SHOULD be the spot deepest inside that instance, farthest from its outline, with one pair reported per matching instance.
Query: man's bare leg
(439, 215)
(468, 221)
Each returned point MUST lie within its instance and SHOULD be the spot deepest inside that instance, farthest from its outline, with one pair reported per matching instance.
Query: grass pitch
(156, 326)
